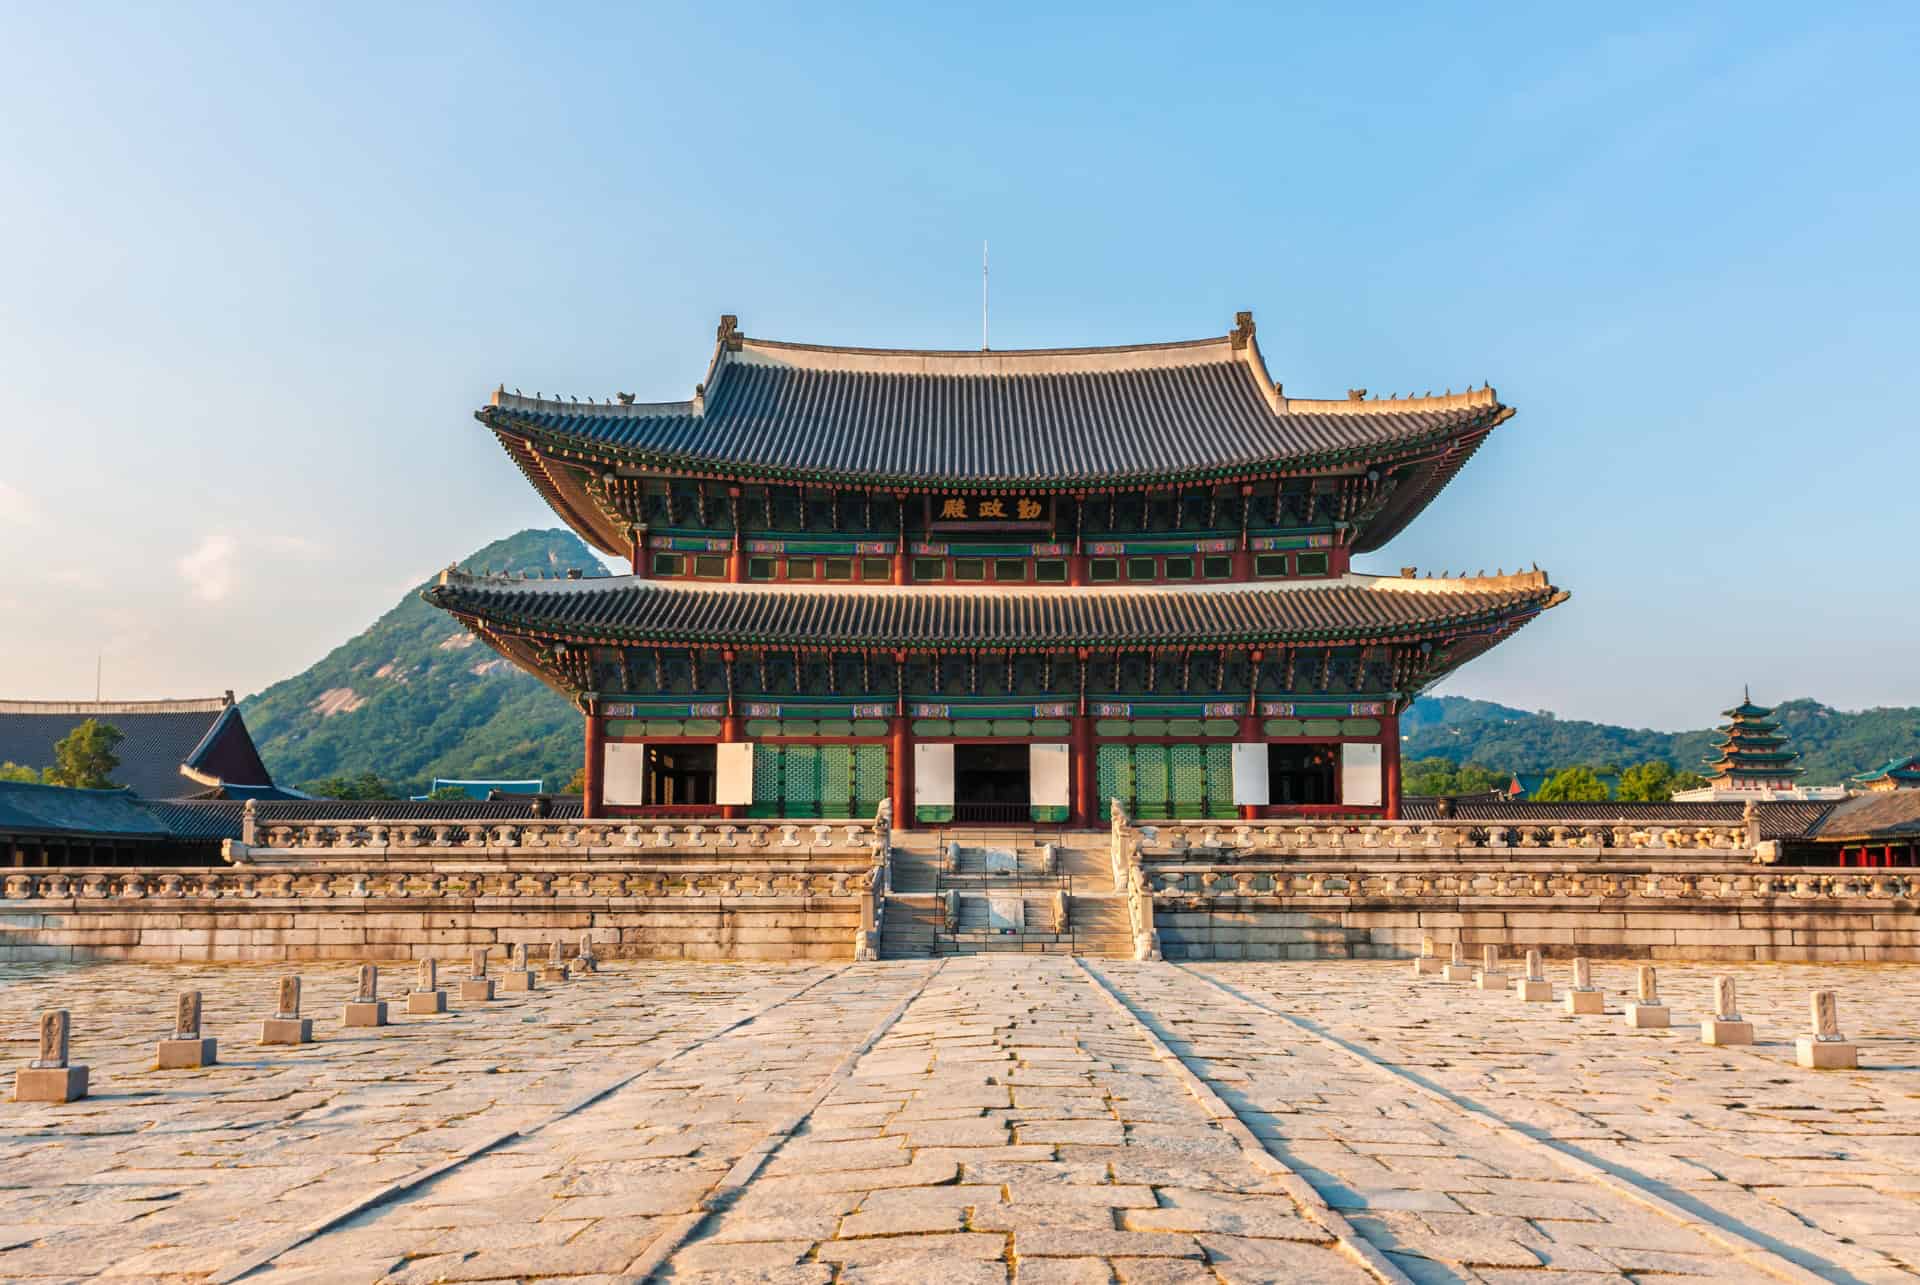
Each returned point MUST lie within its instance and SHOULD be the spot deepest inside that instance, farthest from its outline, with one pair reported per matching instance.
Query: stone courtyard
(987, 1118)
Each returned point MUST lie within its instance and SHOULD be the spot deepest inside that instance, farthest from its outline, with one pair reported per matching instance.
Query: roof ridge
(197, 705)
(1361, 404)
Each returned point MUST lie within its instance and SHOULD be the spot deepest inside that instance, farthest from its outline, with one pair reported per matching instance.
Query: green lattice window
(1187, 767)
(836, 780)
(869, 778)
(1160, 782)
(1220, 782)
(1150, 784)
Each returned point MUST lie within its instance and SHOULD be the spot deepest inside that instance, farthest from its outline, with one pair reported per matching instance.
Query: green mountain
(416, 696)
(1833, 744)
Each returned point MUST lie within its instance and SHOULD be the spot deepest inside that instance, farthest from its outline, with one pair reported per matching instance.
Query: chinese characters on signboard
(988, 508)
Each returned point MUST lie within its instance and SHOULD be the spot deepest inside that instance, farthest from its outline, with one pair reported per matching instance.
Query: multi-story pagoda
(1752, 752)
(993, 586)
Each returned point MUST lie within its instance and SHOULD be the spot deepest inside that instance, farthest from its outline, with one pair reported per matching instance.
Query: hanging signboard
(952, 511)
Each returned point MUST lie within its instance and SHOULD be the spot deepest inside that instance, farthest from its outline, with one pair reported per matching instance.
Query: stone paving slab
(1000, 1118)
(1823, 1167)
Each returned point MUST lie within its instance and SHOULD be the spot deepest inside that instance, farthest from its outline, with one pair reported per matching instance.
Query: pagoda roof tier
(1461, 616)
(1060, 419)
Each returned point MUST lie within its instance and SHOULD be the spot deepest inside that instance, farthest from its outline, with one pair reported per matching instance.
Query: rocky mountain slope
(416, 696)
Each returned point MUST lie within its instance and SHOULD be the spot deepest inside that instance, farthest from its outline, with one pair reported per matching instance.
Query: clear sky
(259, 263)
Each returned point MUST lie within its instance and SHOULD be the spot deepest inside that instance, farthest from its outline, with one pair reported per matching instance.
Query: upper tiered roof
(1064, 419)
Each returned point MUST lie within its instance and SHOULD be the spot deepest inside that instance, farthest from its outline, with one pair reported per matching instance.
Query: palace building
(992, 587)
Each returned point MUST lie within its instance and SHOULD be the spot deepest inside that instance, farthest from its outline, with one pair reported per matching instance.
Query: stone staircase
(1003, 863)
(910, 927)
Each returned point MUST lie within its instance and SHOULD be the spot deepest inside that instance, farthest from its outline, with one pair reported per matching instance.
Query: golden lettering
(1029, 509)
(954, 509)
(992, 509)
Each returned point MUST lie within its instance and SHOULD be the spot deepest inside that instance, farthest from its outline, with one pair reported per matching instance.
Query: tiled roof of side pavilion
(1203, 409)
(1356, 608)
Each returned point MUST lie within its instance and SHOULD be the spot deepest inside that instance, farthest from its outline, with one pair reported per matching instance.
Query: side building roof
(1060, 419)
(172, 748)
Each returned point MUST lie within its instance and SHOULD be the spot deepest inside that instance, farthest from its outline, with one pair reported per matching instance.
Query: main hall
(993, 588)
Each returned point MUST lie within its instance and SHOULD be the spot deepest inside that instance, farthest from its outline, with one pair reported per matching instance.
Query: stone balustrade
(303, 842)
(1289, 836)
(330, 883)
(1195, 884)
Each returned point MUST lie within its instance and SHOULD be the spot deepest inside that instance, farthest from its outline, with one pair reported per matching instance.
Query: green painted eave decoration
(606, 453)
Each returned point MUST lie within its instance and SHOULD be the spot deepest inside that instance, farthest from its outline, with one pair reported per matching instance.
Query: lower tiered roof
(1356, 609)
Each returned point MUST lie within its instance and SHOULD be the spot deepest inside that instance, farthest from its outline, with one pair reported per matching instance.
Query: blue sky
(261, 263)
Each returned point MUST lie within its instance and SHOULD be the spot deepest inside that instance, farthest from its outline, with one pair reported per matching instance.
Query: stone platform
(1034, 1118)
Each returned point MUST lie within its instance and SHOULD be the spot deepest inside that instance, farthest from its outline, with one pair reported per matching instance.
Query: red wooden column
(1077, 560)
(900, 752)
(1085, 816)
(900, 746)
(1390, 762)
(737, 559)
(900, 544)
(1243, 556)
(593, 805)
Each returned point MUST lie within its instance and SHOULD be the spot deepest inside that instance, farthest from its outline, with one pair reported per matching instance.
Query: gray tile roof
(1778, 819)
(208, 735)
(50, 809)
(1357, 607)
(1196, 409)
(1884, 814)
(220, 819)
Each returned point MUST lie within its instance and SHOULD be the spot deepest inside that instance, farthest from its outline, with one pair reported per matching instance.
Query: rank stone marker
(1827, 1049)
(48, 1078)
(1428, 963)
(286, 1026)
(556, 969)
(1726, 1026)
(1458, 969)
(426, 996)
(519, 977)
(186, 1049)
(367, 1008)
(1490, 977)
(1647, 1012)
(477, 986)
(1584, 999)
(1534, 987)
(586, 961)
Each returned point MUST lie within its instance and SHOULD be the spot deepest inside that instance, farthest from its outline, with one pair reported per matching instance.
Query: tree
(11, 771)
(1573, 785)
(1649, 782)
(449, 794)
(1433, 776)
(1687, 781)
(364, 786)
(83, 759)
(577, 783)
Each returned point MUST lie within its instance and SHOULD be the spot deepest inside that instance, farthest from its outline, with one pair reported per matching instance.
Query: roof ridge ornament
(729, 334)
(1242, 329)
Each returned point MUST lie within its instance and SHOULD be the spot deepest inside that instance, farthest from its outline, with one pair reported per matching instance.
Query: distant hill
(1833, 744)
(416, 696)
